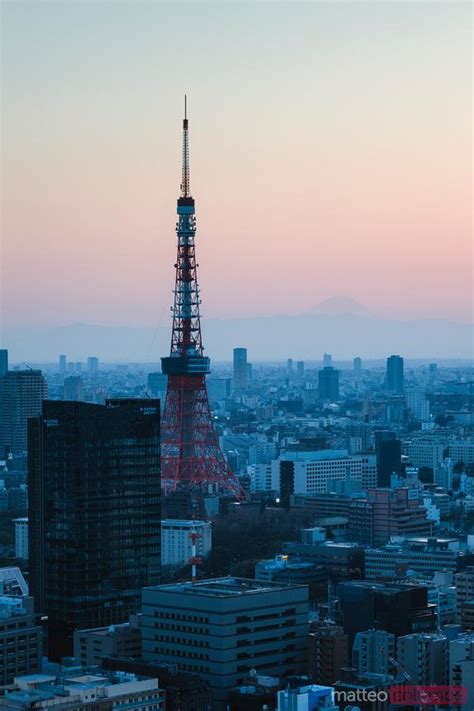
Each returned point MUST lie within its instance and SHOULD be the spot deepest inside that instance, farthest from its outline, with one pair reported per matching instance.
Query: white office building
(176, 540)
(322, 471)
(21, 538)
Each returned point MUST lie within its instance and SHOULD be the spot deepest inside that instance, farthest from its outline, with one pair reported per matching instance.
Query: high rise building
(62, 363)
(388, 451)
(395, 376)
(223, 628)
(417, 404)
(300, 369)
(371, 652)
(328, 384)
(240, 368)
(21, 537)
(94, 513)
(289, 365)
(357, 365)
(327, 653)
(464, 595)
(3, 362)
(397, 513)
(93, 364)
(21, 395)
(327, 360)
(397, 608)
(73, 388)
(424, 657)
(426, 453)
(191, 457)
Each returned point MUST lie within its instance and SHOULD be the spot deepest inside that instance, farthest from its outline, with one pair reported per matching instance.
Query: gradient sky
(330, 154)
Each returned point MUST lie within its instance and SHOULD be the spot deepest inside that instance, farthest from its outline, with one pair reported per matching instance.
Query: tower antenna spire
(185, 177)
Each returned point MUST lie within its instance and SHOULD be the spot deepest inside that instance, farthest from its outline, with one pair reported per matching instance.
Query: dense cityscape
(186, 533)
(280, 536)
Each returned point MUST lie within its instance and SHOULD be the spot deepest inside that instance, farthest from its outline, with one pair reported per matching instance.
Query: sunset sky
(330, 155)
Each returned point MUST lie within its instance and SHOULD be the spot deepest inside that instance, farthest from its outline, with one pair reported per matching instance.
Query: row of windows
(181, 653)
(185, 640)
(179, 616)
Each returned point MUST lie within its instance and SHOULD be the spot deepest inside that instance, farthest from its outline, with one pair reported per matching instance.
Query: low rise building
(21, 639)
(74, 691)
(92, 645)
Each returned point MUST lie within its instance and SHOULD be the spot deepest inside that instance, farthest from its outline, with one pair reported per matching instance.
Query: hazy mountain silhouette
(340, 305)
(330, 327)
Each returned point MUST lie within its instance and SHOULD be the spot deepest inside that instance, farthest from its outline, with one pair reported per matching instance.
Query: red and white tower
(190, 454)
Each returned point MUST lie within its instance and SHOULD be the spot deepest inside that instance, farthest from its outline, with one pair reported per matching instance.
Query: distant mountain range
(339, 326)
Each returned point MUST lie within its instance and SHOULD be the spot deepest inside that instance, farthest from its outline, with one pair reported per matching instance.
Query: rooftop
(224, 587)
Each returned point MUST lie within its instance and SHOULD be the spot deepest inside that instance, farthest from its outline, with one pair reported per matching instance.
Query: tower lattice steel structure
(190, 454)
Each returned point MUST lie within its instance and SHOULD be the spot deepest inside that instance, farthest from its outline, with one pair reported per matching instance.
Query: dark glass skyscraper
(388, 450)
(94, 513)
(395, 376)
(329, 384)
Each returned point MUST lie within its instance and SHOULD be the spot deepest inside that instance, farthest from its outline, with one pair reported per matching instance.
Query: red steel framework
(190, 454)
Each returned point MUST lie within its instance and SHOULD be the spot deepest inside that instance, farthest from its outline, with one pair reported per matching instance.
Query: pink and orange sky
(330, 154)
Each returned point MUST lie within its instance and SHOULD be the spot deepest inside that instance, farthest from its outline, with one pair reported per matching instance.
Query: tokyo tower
(191, 457)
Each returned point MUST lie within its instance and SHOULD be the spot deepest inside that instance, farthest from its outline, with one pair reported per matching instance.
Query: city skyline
(88, 225)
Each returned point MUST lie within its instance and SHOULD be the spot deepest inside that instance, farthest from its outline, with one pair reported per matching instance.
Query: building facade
(21, 395)
(94, 513)
(223, 628)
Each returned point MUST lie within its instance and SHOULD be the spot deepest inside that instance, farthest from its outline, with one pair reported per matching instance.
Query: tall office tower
(73, 388)
(223, 628)
(94, 513)
(371, 652)
(357, 365)
(388, 451)
(327, 360)
(327, 653)
(289, 365)
(21, 537)
(424, 657)
(240, 369)
(78, 366)
(328, 384)
(464, 595)
(3, 362)
(21, 395)
(395, 377)
(62, 363)
(190, 453)
(93, 364)
(300, 369)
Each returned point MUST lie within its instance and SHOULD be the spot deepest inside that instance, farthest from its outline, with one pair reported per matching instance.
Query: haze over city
(330, 158)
